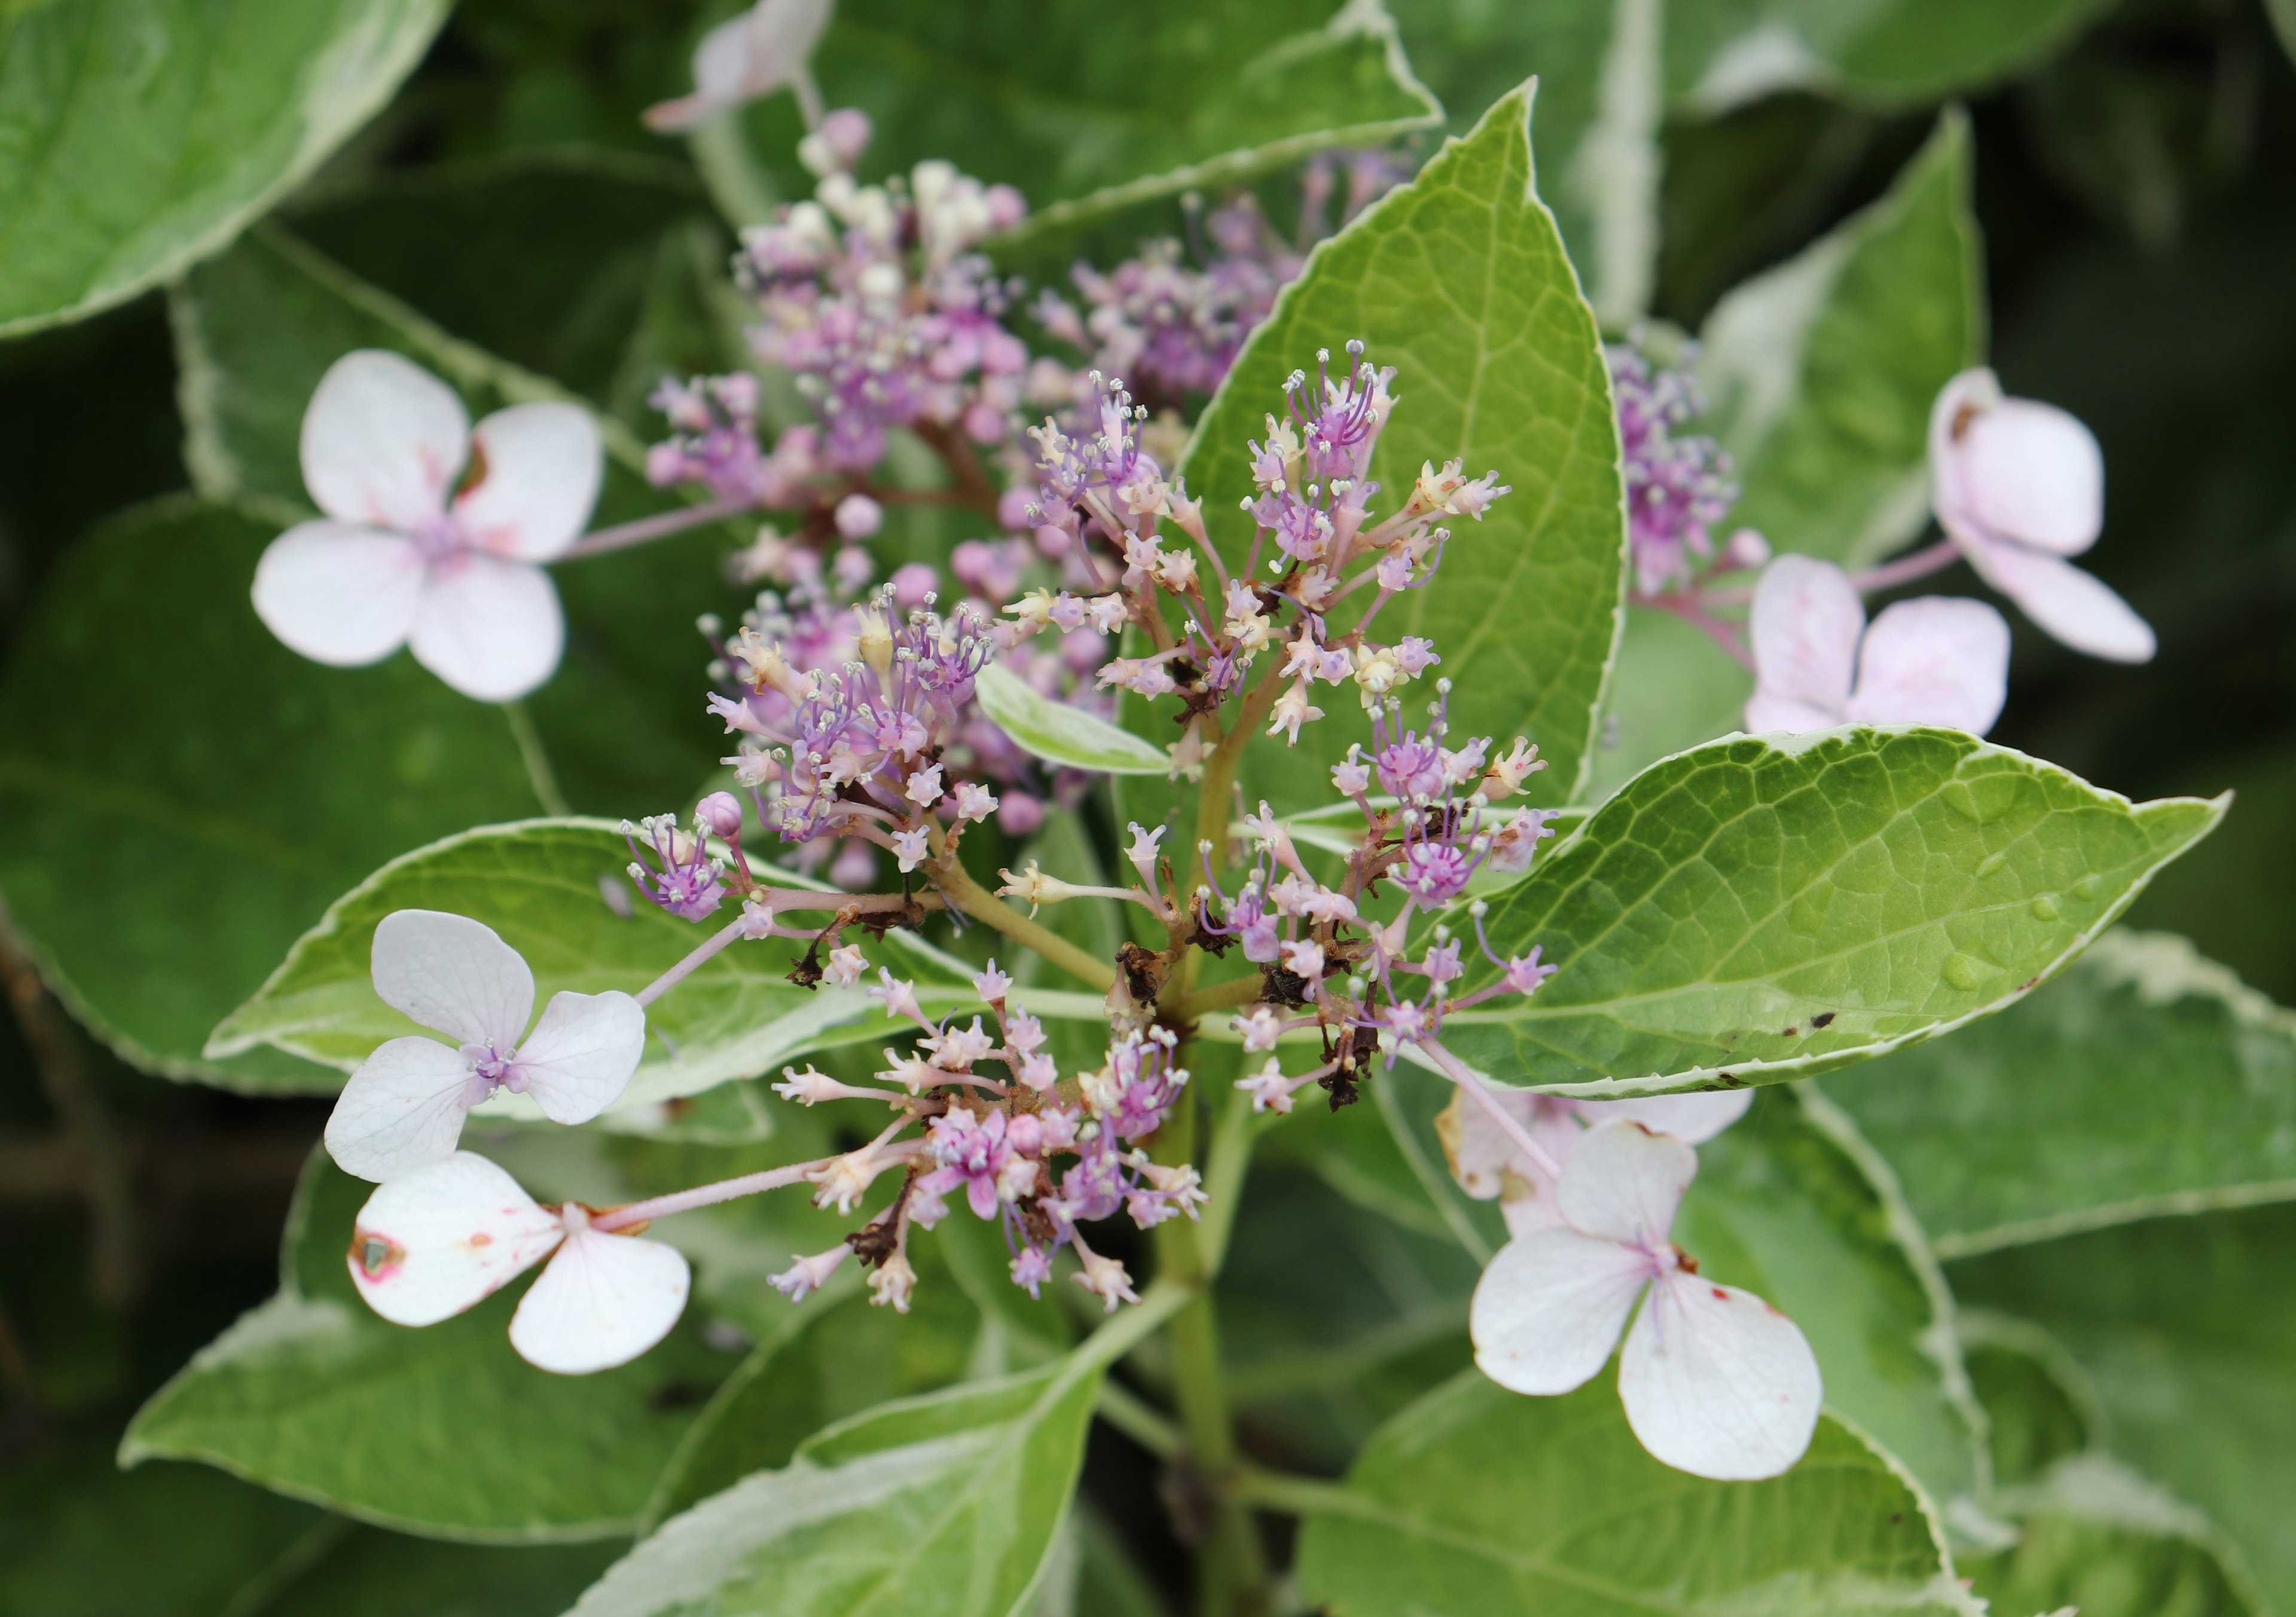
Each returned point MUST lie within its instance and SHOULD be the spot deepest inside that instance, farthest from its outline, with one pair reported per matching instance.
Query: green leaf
(942, 1505)
(1090, 111)
(2145, 1081)
(160, 877)
(2099, 1539)
(1475, 1502)
(442, 1431)
(2182, 1324)
(1820, 373)
(2091, 1534)
(140, 135)
(1765, 908)
(842, 1357)
(1459, 281)
(1060, 733)
(544, 886)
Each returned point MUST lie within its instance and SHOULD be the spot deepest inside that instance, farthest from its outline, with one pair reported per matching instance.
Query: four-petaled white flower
(1939, 660)
(414, 549)
(748, 56)
(439, 1240)
(2019, 486)
(405, 1106)
(1716, 1381)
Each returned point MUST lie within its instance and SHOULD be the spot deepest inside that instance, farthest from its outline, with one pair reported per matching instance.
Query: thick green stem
(1231, 1569)
(1220, 996)
(993, 912)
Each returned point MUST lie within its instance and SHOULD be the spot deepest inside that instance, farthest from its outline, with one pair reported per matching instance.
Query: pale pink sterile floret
(1715, 1381)
(432, 1242)
(401, 558)
(742, 58)
(1937, 660)
(404, 1105)
(2019, 486)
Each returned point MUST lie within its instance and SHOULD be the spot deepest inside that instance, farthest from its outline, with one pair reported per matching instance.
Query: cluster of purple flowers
(1679, 486)
(997, 1142)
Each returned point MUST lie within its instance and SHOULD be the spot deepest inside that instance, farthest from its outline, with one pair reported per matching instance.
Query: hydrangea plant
(1079, 743)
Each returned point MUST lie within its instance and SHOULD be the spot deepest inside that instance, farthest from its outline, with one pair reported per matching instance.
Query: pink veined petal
(2075, 607)
(427, 1245)
(604, 1300)
(1550, 1307)
(1624, 1182)
(1694, 1119)
(1804, 630)
(2033, 473)
(542, 464)
(454, 973)
(1718, 1382)
(338, 594)
(492, 629)
(403, 1108)
(1937, 660)
(1766, 713)
(383, 441)
(580, 1056)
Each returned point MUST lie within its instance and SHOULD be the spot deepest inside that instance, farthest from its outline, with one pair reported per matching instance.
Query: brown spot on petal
(377, 1257)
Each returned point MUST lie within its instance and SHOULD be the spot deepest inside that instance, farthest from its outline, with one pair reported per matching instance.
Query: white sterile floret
(1715, 1381)
(1937, 660)
(404, 1105)
(1490, 1165)
(2019, 486)
(750, 55)
(405, 555)
(436, 1241)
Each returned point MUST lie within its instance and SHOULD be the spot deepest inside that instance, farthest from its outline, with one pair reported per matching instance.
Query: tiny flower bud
(721, 812)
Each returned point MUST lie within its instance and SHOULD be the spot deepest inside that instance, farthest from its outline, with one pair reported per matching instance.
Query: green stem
(1231, 1569)
(536, 759)
(1293, 1495)
(993, 912)
(1220, 996)
(730, 172)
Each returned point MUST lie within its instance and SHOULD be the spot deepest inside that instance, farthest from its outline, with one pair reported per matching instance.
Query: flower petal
(2033, 473)
(1549, 1309)
(580, 1056)
(1805, 624)
(744, 58)
(2076, 607)
(604, 1300)
(1623, 1183)
(404, 1108)
(383, 441)
(1718, 1382)
(427, 1245)
(451, 973)
(541, 468)
(338, 594)
(1766, 712)
(489, 628)
(1693, 1118)
(1937, 660)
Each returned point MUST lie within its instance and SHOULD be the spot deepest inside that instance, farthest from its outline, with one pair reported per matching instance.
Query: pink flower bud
(858, 516)
(1012, 508)
(912, 582)
(1019, 814)
(1746, 548)
(1007, 206)
(721, 812)
(1025, 1134)
(846, 133)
